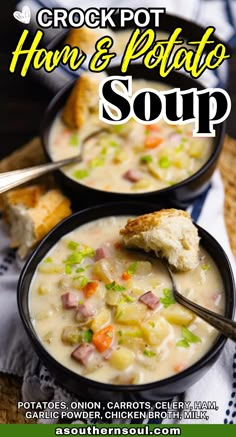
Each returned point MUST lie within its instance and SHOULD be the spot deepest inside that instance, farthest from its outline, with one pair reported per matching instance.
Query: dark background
(23, 100)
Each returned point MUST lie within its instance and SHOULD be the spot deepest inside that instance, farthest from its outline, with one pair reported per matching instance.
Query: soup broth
(108, 313)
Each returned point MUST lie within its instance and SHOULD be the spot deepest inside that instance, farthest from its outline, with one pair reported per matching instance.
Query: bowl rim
(51, 113)
(216, 347)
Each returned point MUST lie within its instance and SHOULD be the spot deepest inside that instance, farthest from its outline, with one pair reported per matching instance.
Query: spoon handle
(222, 324)
(12, 179)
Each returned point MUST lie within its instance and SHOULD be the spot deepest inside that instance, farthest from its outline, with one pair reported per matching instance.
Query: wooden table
(23, 100)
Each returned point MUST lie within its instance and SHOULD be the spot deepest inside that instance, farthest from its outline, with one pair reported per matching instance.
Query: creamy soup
(131, 158)
(109, 314)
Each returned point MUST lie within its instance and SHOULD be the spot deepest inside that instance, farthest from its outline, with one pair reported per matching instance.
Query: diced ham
(84, 312)
(82, 353)
(69, 300)
(133, 175)
(150, 299)
(101, 252)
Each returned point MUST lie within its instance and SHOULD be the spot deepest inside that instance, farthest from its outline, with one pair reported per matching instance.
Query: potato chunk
(113, 298)
(103, 318)
(130, 314)
(104, 270)
(71, 335)
(121, 358)
(178, 315)
(155, 330)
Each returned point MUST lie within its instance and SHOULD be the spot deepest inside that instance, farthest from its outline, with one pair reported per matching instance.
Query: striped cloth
(16, 354)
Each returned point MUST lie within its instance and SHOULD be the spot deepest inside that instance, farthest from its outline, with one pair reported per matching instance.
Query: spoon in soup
(12, 179)
(225, 326)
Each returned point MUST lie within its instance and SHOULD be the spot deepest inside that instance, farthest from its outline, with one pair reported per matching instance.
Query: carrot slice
(153, 128)
(102, 339)
(125, 276)
(90, 288)
(152, 142)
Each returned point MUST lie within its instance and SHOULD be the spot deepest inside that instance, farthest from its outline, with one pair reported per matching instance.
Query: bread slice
(83, 100)
(31, 213)
(85, 39)
(170, 233)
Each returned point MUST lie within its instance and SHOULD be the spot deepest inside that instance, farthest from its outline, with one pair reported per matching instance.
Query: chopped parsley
(168, 298)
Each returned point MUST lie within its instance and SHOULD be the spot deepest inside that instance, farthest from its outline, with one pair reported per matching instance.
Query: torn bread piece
(170, 233)
(31, 213)
(85, 39)
(83, 100)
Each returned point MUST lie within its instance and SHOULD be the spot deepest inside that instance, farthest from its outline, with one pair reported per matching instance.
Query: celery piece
(168, 298)
(114, 286)
(182, 343)
(68, 269)
(128, 298)
(74, 258)
(87, 335)
(146, 159)
(164, 162)
(74, 139)
(88, 251)
(149, 353)
(132, 268)
(179, 148)
(47, 260)
(189, 336)
(80, 174)
(97, 162)
(206, 267)
(72, 245)
(117, 128)
(113, 143)
(80, 270)
(83, 282)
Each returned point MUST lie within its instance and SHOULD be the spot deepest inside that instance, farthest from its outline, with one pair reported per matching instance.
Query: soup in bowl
(105, 315)
(131, 159)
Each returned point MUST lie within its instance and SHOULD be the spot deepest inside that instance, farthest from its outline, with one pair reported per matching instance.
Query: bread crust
(83, 38)
(28, 197)
(147, 222)
(31, 213)
(83, 98)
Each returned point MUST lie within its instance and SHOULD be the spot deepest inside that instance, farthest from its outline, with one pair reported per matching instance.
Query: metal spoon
(11, 179)
(225, 326)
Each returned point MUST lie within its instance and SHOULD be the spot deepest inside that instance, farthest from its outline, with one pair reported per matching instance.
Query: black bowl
(180, 194)
(93, 390)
